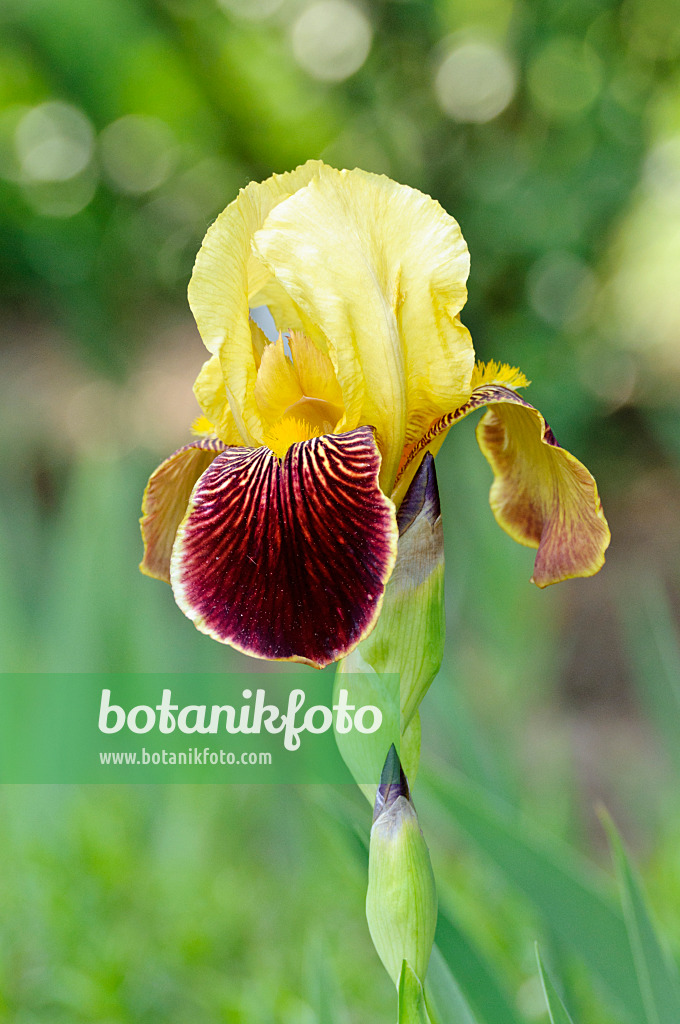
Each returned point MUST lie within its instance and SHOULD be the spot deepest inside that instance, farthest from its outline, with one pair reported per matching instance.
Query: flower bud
(408, 638)
(401, 902)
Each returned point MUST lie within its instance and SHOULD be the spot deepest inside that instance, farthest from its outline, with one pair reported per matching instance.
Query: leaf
(446, 1003)
(412, 1008)
(473, 974)
(566, 890)
(321, 984)
(556, 1008)
(657, 974)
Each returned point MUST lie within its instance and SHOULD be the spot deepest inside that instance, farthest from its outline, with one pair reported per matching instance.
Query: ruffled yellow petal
(226, 276)
(286, 314)
(259, 340)
(380, 268)
(211, 395)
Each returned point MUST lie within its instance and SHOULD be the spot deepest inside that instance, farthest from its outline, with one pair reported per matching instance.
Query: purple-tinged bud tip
(393, 784)
(421, 497)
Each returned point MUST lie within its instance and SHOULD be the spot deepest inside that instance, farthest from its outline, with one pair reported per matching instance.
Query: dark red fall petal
(288, 558)
(165, 502)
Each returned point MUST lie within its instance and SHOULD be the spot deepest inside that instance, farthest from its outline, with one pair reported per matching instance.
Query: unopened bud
(401, 902)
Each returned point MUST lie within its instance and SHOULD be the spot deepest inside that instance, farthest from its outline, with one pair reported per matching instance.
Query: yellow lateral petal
(381, 269)
(542, 495)
(226, 276)
(277, 386)
(165, 503)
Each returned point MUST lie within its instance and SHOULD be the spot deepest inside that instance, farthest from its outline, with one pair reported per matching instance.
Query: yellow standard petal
(212, 397)
(226, 277)
(380, 269)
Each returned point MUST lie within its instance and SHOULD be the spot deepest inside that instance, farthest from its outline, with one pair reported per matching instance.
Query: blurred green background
(551, 131)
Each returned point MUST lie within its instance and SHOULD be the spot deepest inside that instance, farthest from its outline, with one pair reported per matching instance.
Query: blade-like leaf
(657, 974)
(322, 989)
(473, 974)
(446, 1003)
(412, 1008)
(556, 1008)
(569, 893)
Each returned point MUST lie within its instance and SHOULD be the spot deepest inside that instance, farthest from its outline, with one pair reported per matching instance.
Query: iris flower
(277, 524)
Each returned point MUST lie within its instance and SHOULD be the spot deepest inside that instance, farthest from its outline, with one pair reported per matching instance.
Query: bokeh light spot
(138, 153)
(662, 173)
(61, 199)
(561, 289)
(251, 10)
(54, 142)
(565, 78)
(331, 40)
(475, 82)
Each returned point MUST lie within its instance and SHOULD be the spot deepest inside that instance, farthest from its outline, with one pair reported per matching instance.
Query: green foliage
(556, 1008)
(566, 890)
(657, 975)
(446, 1003)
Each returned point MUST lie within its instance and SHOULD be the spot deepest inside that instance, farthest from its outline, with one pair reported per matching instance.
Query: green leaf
(473, 974)
(446, 1003)
(412, 1008)
(556, 1008)
(657, 974)
(321, 984)
(565, 889)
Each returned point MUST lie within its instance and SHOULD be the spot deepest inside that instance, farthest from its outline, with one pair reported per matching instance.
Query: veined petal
(542, 495)
(433, 436)
(226, 276)
(165, 502)
(381, 269)
(288, 559)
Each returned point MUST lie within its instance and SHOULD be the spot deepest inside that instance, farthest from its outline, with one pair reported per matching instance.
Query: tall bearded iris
(277, 525)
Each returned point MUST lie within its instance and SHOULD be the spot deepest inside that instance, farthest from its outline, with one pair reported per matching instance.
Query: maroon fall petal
(288, 558)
